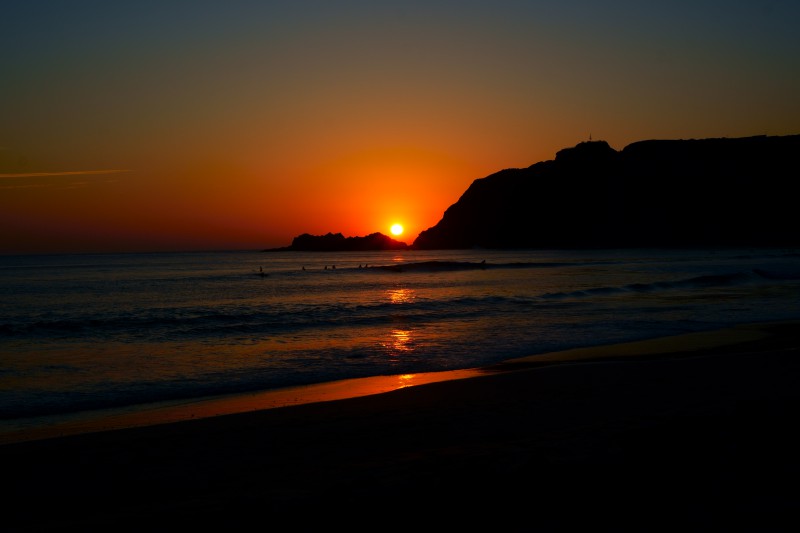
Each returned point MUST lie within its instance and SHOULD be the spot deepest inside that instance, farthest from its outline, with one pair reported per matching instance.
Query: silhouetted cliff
(336, 242)
(671, 193)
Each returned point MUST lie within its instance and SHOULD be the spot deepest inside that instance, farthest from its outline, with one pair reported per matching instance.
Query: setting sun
(396, 229)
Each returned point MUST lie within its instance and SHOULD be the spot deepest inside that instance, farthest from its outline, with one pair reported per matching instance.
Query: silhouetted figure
(303, 267)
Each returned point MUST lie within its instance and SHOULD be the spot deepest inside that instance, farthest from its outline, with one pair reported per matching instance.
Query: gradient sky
(197, 125)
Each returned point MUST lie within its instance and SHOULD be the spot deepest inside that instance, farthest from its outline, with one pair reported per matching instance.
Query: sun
(396, 229)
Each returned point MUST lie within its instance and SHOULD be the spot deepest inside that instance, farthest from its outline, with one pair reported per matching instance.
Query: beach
(694, 433)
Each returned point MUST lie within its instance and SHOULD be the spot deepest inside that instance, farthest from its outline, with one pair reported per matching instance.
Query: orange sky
(193, 126)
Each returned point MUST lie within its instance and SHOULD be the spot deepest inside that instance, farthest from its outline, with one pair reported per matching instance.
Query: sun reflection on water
(399, 340)
(405, 380)
(401, 296)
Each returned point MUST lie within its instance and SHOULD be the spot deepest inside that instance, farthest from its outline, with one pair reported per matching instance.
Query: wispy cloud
(58, 174)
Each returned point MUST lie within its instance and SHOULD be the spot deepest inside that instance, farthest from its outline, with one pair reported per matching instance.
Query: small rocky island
(336, 242)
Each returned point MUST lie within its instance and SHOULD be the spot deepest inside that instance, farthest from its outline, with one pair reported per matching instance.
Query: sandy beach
(689, 433)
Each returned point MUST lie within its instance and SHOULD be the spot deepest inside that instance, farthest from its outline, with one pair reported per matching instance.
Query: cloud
(58, 174)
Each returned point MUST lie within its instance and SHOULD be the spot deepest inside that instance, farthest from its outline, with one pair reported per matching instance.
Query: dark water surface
(87, 332)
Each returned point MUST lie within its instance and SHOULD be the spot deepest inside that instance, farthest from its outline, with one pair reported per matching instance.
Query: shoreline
(690, 433)
(209, 407)
(192, 409)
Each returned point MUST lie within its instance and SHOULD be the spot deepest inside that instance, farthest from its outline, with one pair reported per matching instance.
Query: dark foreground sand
(696, 433)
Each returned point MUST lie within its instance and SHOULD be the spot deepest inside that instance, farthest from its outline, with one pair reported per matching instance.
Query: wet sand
(689, 433)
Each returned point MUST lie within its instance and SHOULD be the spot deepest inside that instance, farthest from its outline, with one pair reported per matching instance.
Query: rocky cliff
(675, 193)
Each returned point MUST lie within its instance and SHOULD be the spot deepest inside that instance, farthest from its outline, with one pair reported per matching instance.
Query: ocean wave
(446, 266)
(697, 282)
(178, 323)
(778, 273)
(279, 318)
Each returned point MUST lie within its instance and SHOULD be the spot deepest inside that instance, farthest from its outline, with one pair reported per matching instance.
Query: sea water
(87, 332)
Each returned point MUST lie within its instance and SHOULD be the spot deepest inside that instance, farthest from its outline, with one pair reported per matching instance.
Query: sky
(142, 126)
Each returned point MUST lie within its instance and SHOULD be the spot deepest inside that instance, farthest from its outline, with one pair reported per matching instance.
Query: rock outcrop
(336, 242)
(657, 193)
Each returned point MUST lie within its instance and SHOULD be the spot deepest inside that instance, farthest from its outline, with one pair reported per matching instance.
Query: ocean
(86, 333)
